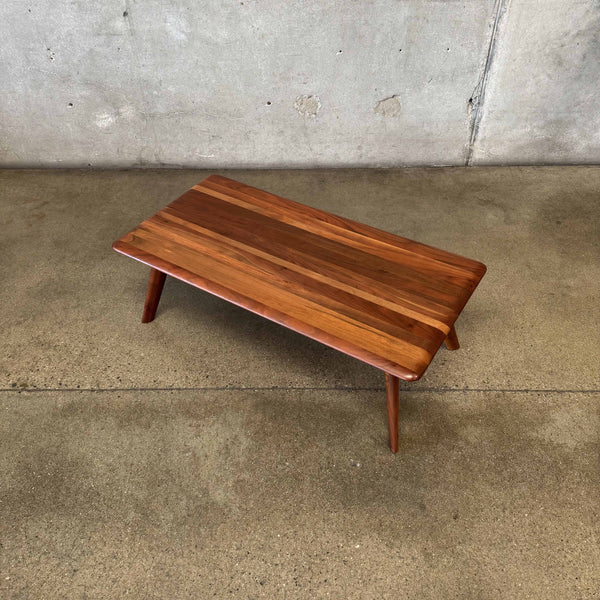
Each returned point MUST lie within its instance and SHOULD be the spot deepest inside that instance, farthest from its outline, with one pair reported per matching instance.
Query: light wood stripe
(434, 295)
(405, 307)
(298, 307)
(335, 227)
(343, 303)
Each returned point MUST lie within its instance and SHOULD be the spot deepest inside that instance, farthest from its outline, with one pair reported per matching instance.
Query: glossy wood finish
(381, 298)
(391, 392)
(452, 340)
(155, 288)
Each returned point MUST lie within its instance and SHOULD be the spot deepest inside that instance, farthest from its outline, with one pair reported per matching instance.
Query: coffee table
(386, 300)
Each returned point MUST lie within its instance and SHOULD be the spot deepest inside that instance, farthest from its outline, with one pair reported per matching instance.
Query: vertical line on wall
(478, 95)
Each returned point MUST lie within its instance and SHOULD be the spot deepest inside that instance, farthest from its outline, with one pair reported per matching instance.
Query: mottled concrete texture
(293, 494)
(541, 100)
(213, 454)
(298, 84)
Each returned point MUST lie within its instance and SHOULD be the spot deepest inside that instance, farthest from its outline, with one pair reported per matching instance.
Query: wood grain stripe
(311, 331)
(319, 254)
(415, 267)
(302, 284)
(326, 223)
(391, 300)
(218, 269)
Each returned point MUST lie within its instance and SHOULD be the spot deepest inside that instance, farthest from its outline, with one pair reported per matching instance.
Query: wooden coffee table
(386, 300)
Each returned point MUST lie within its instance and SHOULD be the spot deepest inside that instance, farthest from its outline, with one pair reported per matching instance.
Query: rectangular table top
(381, 298)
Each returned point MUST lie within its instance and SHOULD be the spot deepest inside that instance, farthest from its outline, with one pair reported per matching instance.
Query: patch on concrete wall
(106, 119)
(308, 106)
(389, 107)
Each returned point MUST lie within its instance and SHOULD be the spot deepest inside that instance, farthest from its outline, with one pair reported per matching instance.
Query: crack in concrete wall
(475, 102)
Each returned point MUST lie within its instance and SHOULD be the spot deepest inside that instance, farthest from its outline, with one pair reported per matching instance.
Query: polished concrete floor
(213, 454)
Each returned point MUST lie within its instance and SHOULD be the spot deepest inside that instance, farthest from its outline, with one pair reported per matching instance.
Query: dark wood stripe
(403, 308)
(248, 283)
(420, 263)
(409, 264)
(344, 303)
(286, 206)
(305, 248)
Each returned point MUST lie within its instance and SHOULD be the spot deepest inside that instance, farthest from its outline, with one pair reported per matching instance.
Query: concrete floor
(215, 454)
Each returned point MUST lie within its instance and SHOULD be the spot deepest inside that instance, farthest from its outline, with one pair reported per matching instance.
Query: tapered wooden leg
(155, 288)
(391, 390)
(452, 340)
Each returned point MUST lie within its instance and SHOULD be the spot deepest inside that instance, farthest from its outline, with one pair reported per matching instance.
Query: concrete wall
(250, 83)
